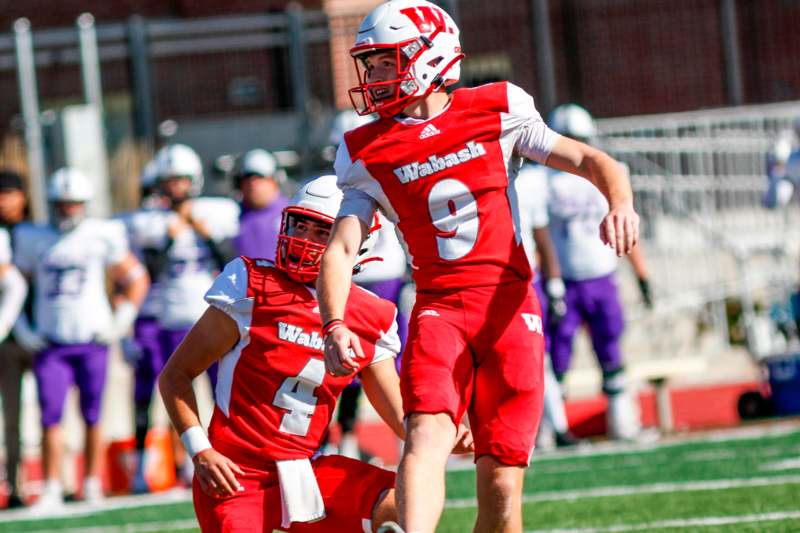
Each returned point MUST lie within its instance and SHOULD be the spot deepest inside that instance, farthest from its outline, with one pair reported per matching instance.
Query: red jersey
(274, 399)
(447, 183)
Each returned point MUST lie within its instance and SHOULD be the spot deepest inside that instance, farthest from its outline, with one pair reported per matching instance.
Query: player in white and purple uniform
(531, 188)
(783, 170)
(143, 350)
(588, 268)
(15, 359)
(184, 242)
(71, 260)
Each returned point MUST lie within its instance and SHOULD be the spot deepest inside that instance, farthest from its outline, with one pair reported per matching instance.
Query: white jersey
(189, 267)
(531, 186)
(5, 247)
(576, 209)
(69, 270)
(389, 249)
(136, 224)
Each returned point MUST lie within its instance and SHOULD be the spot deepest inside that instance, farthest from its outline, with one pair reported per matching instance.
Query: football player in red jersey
(441, 167)
(257, 470)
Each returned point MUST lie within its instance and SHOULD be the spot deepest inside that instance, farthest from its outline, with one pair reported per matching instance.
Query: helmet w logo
(427, 19)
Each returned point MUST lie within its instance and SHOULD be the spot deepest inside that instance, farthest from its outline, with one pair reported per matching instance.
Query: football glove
(647, 295)
(556, 305)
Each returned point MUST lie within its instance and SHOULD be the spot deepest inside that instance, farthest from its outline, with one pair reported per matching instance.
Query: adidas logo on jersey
(434, 164)
(429, 131)
(297, 335)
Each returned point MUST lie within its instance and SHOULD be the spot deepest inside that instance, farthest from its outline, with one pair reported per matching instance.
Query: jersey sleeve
(534, 139)
(25, 235)
(354, 181)
(388, 344)
(5, 247)
(116, 238)
(228, 293)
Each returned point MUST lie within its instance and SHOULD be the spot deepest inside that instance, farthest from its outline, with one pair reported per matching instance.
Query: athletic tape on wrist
(195, 440)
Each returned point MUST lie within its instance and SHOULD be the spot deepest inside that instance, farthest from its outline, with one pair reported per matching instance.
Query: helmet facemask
(68, 214)
(300, 256)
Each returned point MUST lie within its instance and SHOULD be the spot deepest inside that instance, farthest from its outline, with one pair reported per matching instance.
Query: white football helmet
(149, 175)
(781, 151)
(345, 121)
(257, 162)
(573, 121)
(68, 185)
(180, 160)
(318, 200)
(428, 52)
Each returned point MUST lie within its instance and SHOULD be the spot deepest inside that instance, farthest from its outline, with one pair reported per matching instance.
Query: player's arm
(131, 282)
(333, 287)
(551, 271)
(13, 290)
(382, 387)
(212, 336)
(620, 228)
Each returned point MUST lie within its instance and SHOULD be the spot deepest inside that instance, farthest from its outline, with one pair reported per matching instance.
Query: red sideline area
(693, 408)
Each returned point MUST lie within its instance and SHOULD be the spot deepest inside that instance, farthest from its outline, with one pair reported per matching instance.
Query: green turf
(138, 515)
(642, 508)
(677, 463)
(697, 461)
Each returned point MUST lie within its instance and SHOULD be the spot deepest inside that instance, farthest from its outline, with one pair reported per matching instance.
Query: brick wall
(344, 18)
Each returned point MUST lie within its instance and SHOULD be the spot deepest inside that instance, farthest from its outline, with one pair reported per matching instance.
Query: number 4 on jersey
(296, 395)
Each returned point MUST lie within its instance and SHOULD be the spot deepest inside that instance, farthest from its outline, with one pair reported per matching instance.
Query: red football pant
(479, 350)
(349, 488)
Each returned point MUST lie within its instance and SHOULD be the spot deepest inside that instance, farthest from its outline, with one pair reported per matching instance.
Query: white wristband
(195, 440)
(555, 288)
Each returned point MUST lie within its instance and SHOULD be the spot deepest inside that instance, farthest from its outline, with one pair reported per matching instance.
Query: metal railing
(699, 180)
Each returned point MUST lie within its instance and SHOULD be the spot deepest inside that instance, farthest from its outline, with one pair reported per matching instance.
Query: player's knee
(385, 509)
(505, 486)
(429, 431)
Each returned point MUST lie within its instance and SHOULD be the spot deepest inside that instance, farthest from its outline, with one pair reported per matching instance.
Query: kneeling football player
(257, 469)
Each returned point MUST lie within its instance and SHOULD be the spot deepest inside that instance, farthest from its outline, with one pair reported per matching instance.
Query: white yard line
(175, 525)
(626, 490)
(77, 509)
(690, 522)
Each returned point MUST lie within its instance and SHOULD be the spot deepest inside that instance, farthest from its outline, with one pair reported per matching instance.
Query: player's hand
(132, 352)
(217, 474)
(342, 348)
(556, 310)
(464, 443)
(620, 229)
(26, 337)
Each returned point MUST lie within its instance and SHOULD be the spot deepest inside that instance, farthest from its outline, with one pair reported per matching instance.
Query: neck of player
(429, 106)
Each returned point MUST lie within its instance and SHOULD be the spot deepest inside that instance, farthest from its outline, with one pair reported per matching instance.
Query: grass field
(740, 481)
